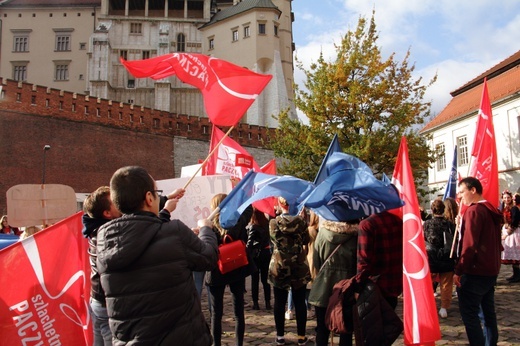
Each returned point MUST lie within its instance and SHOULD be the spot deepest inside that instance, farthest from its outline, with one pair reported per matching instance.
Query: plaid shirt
(380, 252)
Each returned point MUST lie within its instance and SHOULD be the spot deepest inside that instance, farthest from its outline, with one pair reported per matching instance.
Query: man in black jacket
(146, 264)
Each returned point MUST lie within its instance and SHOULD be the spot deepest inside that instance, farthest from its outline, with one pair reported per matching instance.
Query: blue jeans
(102, 333)
(477, 293)
(198, 278)
(237, 289)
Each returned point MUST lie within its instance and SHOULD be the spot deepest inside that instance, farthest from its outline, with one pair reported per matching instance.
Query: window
(61, 72)
(82, 46)
(276, 30)
(156, 122)
(131, 118)
(462, 145)
(235, 35)
(21, 44)
(123, 54)
(440, 150)
(211, 43)
(261, 28)
(205, 129)
(62, 43)
(136, 28)
(146, 54)
(246, 31)
(20, 72)
(181, 43)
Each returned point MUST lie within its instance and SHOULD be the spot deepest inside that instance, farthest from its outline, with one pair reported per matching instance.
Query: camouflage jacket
(288, 267)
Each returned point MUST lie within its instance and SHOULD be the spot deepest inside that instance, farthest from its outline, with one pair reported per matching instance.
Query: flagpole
(209, 156)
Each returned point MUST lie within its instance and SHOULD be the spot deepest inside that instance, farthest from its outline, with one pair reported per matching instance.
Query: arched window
(181, 43)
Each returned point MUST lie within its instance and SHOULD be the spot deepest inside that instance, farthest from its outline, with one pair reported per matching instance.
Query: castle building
(76, 45)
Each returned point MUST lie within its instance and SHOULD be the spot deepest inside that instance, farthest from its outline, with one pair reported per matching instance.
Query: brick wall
(90, 138)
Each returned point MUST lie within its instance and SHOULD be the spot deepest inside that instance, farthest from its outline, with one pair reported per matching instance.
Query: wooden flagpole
(209, 156)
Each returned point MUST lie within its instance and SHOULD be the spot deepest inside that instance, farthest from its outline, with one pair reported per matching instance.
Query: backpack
(339, 317)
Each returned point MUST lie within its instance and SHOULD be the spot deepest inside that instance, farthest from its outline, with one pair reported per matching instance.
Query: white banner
(195, 204)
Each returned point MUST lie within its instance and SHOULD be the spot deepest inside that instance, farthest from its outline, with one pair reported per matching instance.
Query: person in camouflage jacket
(288, 269)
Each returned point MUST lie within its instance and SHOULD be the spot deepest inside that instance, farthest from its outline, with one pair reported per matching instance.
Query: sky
(455, 39)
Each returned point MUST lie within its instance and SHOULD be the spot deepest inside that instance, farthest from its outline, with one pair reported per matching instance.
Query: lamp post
(45, 148)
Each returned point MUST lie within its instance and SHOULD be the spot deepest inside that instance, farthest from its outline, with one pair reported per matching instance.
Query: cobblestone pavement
(260, 329)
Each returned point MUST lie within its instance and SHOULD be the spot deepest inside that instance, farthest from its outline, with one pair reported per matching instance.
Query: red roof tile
(503, 81)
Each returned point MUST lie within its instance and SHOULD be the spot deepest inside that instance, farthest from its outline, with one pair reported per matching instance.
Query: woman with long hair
(511, 235)
(235, 279)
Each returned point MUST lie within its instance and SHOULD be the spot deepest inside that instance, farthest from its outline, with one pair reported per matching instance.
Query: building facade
(46, 42)
(76, 45)
(135, 30)
(456, 124)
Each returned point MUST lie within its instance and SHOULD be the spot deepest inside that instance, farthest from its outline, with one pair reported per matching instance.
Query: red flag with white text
(228, 90)
(46, 288)
(223, 160)
(421, 323)
(484, 166)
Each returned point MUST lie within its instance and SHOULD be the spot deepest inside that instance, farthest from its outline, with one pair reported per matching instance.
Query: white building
(456, 125)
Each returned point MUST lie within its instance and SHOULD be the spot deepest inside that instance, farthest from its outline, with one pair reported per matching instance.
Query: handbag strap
(328, 258)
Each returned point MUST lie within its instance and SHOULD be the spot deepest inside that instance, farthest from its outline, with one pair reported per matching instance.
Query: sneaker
(280, 341)
(443, 313)
(436, 294)
(303, 341)
(289, 315)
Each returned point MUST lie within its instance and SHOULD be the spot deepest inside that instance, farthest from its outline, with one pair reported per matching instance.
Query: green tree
(368, 102)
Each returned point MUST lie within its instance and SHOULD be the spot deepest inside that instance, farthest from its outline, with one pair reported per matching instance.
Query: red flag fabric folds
(421, 324)
(228, 90)
(485, 164)
(47, 287)
(223, 160)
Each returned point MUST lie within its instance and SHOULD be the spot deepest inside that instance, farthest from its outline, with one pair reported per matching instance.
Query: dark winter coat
(438, 237)
(481, 244)
(288, 267)
(146, 267)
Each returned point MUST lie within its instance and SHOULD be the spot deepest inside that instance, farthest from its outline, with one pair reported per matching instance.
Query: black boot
(268, 305)
(256, 306)
(516, 274)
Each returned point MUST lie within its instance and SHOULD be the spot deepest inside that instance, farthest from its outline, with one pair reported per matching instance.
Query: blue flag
(333, 148)
(451, 187)
(257, 186)
(351, 191)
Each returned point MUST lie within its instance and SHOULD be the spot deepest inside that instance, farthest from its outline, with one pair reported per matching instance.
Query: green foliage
(369, 102)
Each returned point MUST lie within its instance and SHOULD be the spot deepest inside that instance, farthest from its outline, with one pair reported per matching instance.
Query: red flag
(485, 164)
(46, 281)
(267, 205)
(224, 158)
(421, 324)
(228, 90)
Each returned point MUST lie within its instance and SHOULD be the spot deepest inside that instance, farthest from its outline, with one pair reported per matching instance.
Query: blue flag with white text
(351, 191)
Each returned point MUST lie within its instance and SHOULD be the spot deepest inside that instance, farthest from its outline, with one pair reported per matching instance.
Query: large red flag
(421, 324)
(485, 164)
(224, 159)
(228, 90)
(46, 288)
(267, 205)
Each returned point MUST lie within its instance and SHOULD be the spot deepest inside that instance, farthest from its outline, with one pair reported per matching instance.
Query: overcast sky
(457, 39)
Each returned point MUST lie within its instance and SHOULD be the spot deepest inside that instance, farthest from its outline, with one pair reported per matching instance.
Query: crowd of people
(134, 241)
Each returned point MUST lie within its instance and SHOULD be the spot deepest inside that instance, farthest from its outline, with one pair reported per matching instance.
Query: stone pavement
(260, 330)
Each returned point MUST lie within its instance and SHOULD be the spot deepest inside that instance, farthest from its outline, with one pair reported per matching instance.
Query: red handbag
(232, 254)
